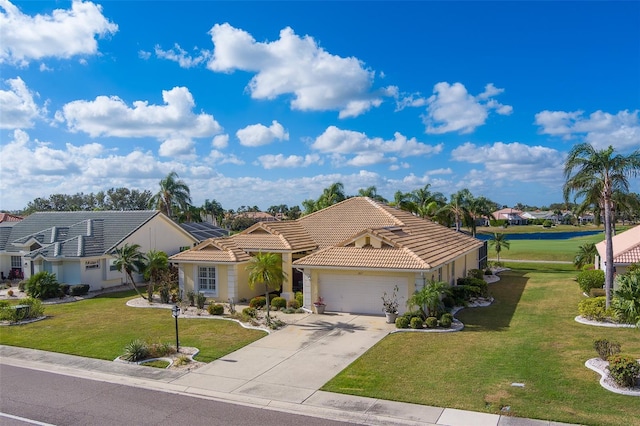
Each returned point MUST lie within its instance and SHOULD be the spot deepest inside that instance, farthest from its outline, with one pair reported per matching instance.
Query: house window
(16, 262)
(207, 278)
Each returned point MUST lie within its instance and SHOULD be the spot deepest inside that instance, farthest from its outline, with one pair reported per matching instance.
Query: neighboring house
(77, 246)
(349, 254)
(258, 216)
(626, 250)
(8, 219)
(204, 230)
(512, 216)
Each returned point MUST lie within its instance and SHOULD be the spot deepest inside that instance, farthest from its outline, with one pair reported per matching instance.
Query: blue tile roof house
(77, 246)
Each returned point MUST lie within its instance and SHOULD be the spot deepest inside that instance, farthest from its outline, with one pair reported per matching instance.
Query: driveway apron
(294, 362)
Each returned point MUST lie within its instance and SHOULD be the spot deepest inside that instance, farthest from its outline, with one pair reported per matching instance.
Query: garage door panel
(360, 293)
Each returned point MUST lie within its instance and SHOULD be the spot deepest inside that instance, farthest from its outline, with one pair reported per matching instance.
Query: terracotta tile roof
(8, 217)
(625, 246)
(288, 235)
(332, 225)
(364, 257)
(219, 250)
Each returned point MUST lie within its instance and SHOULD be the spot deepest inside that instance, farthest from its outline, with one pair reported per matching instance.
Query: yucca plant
(135, 351)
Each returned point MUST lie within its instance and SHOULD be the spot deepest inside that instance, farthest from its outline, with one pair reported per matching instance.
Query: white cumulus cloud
(600, 129)
(259, 134)
(182, 57)
(63, 34)
(271, 161)
(170, 122)
(18, 109)
(318, 80)
(220, 141)
(452, 109)
(368, 151)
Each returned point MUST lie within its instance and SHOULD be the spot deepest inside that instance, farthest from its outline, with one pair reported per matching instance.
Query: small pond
(542, 235)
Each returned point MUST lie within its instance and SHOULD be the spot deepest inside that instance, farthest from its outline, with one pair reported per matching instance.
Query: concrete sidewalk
(282, 371)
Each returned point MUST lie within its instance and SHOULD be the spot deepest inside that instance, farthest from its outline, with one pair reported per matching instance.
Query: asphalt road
(48, 398)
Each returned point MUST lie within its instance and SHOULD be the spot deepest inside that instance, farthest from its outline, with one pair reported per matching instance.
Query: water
(542, 235)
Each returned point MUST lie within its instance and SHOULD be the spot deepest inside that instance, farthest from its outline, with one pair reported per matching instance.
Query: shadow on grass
(497, 317)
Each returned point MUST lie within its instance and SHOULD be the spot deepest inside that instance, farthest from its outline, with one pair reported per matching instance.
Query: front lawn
(548, 250)
(527, 336)
(102, 326)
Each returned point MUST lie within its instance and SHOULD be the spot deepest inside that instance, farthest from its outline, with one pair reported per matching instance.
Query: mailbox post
(175, 311)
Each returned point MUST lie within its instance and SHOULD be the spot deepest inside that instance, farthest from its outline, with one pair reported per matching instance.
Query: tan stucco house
(626, 250)
(349, 254)
(77, 246)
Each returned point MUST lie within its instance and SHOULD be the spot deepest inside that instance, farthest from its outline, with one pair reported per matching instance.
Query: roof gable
(217, 250)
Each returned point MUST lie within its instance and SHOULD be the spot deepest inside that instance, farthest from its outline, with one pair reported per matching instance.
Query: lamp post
(175, 311)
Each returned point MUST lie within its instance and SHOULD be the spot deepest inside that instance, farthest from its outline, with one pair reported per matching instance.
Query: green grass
(102, 326)
(525, 229)
(550, 250)
(528, 335)
(156, 364)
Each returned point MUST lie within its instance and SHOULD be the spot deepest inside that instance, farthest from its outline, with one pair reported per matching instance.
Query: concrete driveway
(292, 363)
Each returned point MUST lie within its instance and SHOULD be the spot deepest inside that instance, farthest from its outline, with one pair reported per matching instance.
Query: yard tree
(499, 242)
(429, 298)
(371, 192)
(586, 255)
(156, 261)
(266, 269)
(594, 173)
(173, 192)
(130, 259)
(458, 207)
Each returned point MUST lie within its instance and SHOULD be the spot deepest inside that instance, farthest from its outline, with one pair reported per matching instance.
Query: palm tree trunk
(267, 306)
(608, 276)
(134, 286)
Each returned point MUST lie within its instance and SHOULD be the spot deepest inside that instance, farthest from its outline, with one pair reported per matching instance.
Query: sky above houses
(266, 103)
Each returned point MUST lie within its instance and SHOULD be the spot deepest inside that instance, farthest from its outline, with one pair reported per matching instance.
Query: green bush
(299, 298)
(498, 222)
(416, 323)
(258, 302)
(409, 315)
(64, 289)
(547, 224)
(402, 322)
(448, 302)
(606, 348)
(594, 309)
(293, 304)
(249, 312)
(475, 273)
(459, 295)
(135, 351)
(432, 322)
(446, 320)
(79, 290)
(626, 300)
(22, 285)
(481, 287)
(216, 309)
(592, 278)
(624, 369)
(201, 300)
(278, 303)
(488, 271)
(165, 294)
(43, 285)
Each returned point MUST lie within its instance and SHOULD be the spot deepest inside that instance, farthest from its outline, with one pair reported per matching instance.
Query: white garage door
(360, 293)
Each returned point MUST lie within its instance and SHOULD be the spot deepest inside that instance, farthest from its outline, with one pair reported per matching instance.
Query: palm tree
(428, 298)
(131, 259)
(586, 255)
(426, 203)
(331, 195)
(499, 242)
(371, 192)
(627, 300)
(266, 268)
(403, 201)
(587, 170)
(156, 262)
(458, 207)
(173, 193)
(478, 208)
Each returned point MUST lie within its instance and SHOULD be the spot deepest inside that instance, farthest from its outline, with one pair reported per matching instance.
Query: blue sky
(265, 103)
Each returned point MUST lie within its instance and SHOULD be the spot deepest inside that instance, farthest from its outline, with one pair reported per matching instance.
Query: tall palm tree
(499, 242)
(156, 262)
(478, 208)
(403, 201)
(266, 268)
(427, 203)
(587, 169)
(130, 259)
(331, 195)
(173, 192)
(371, 192)
(586, 255)
(458, 207)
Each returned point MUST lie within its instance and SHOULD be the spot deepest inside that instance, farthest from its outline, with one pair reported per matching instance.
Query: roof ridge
(384, 208)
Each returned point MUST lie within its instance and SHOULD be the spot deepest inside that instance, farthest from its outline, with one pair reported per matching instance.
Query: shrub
(626, 300)
(299, 298)
(293, 304)
(547, 223)
(258, 302)
(201, 299)
(459, 295)
(624, 369)
(216, 309)
(7, 313)
(594, 308)
(135, 351)
(481, 286)
(43, 285)
(64, 289)
(446, 320)
(475, 273)
(191, 296)
(416, 322)
(592, 278)
(402, 322)
(606, 348)
(22, 285)
(182, 360)
(10, 293)
(597, 292)
(448, 302)
(165, 294)
(250, 312)
(431, 322)
(279, 303)
(79, 290)
(158, 350)
(288, 311)
(488, 271)
(498, 222)
(409, 315)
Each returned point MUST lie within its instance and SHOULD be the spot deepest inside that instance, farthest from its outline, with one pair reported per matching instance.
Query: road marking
(22, 419)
